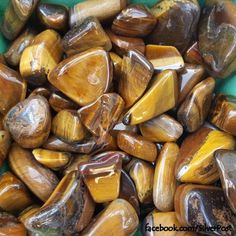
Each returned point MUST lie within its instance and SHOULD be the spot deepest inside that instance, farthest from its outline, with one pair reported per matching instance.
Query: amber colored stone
(190, 76)
(142, 173)
(53, 16)
(136, 72)
(83, 77)
(52, 159)
(134, 21)
(194, 109)
(164, 87)
(100, 116)
(103, 10)
(137, 146)
(223, 113)
(12, 88)
(88, 34)
(226, 162)
(14, 196)
(117, 62)
(41, 57)
(40, 180)
(217, 37)
(193, 55)
(164, 185)
(5, 143)
(15, 17)
(164, 57)
(177, 23)
(162, 128)
(41, 91)
(67, 126)
(100, 174)
(199, 205)
(25, 214)
(59, 102)
(121, 44)
(67, 211)
(10, 226)
(195, 163)
(118, 218)
(2, 59)
(120, 126)
(13, 54)
(29, 122)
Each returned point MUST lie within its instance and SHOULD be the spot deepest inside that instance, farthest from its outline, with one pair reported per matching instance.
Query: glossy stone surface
(217, 37)
(203, 205)
(164, 57)
(13, 54)
(83, 77)
(194, 109)
(15, 17)
(14, 196)
(41, 57)
(84, 36)
(121, 44)
(67, 126)
(53, 16)
(40, 180)
(41, 91)
(193, 55)
(103, 10)
(12, 88)
(171, 24)
(100, 174)
(134, 21)
(29, 122)
(5, 143)
(67, 211)
(164, 185)
(226, 162)
(195, 163)
(136, 72)
(223, 113)
(162, 128)
(117, 63)
(164, 87)
(118, 218)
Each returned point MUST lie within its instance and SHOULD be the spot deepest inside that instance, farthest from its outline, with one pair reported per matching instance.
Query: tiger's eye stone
(53, 16)
(162, 128)
(142, 173)
(118, 218)
(190, 76)
(52, 159)
(137, 145)
(136, 72)
(12, 88)
(223, 113)
(194, 109)
(164, 57)
(177, 23)
(100, 116)
(40, 180)
(103, 173)
(5, 143)
(10, 225)
(122, 45)
(83, 77)
(226, 162)
(164, 178)
(13, 54)
(195, 163)
(29, 122)
(14, 196)
(193, 55)
(217, 37)
(134, 21)
(15, 17)
(164, 87)
(41, 57)
(199, 205)
(68, 210)
(117, 63)
(41, 91)
(67, 126)
(84, 36)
